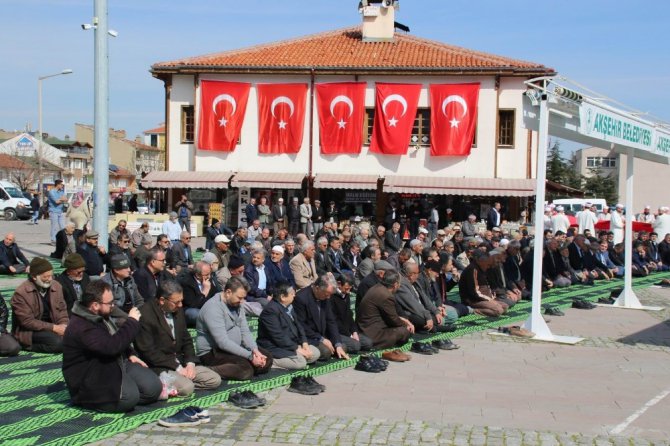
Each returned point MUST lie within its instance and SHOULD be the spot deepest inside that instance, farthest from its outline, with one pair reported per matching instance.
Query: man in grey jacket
(224, 342)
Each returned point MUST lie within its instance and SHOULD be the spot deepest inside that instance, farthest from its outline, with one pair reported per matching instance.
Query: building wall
(121, 153)
(482, 162)
(583, 154)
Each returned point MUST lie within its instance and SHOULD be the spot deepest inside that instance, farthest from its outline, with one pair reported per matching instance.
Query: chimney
(378, 19)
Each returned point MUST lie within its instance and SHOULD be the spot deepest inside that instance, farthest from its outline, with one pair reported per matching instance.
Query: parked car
(13, 203)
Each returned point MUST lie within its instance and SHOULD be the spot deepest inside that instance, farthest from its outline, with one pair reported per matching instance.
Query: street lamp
(39, 115)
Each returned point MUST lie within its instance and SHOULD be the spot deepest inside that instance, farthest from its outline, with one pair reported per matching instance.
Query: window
(187, 123)
(154, 141)
(594, 162)
(505, 128)
(367, 125)
(421, 128)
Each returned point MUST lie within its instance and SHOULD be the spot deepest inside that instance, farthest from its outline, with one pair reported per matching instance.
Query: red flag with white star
(341, 109)
(453, 118)
(222, 107)
(395, 112)
(281, 117)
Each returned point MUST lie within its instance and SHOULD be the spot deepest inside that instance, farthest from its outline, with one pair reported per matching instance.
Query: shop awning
(345, 181)
(188, 179)
(489, 187)
(270, 180)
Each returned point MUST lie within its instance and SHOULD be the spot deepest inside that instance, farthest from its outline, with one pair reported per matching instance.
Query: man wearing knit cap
(73, 280)
(40, 313)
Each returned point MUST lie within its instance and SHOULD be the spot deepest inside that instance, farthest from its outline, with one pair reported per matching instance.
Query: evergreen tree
(598, 185)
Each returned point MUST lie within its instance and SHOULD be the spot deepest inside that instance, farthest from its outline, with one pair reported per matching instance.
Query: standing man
(493, 217)
(646, 216)
(56, 198)
(587, 219)
(166, 346)
(306, 226)
(184, 210)
(318, 216)
(560, 222)
(278, 216)
(101, 370)
(294, 217)
(35, 207)
(251, 211)
(617, 221)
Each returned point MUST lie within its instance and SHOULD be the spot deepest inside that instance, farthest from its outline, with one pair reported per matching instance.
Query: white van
(574, 205)
(12, 202)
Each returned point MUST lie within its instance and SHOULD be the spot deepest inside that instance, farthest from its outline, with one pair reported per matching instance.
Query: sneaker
(202, 414)
(299, 385)
(553, 311)
(249, 394)
(606, 300)
(182, 418)
(422, 349)
(312, 381)
(445, 344)
(366, 364)
(582, 304)
(243, 401)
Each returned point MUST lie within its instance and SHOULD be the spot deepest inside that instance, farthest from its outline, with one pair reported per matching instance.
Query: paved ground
(611, 389)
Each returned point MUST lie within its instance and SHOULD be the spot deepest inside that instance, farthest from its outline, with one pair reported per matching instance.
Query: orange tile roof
(343, 50)
(159, 130)
(10, 162)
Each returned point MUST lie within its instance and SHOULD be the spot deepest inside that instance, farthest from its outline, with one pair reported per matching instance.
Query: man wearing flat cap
(39, 310)
(93, 254)
(74, 280)
(124, 288)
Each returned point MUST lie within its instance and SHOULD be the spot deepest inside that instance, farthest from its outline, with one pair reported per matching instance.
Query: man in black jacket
(12, 260)
(341, 303)
(393, 239)
(166, 346)
(149, 277)
(293, 213)
(314, 312)
(93, 254)
(197, 289)
(74, 280)
(101, 370)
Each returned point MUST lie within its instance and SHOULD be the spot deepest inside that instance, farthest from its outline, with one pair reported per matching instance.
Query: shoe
(422, 349)
(448, 328)
(379, 362)
(366, 364)
(394, 356)
(299, 385)
(250, 394)
(243, 401)
(553, 311)
(582, 304)
(615, 293)
(202, 414)
(182, 418)
(606, 300)
(445, 344)
(312, 381)
(515, 330)
(504, 330)
(664, 283)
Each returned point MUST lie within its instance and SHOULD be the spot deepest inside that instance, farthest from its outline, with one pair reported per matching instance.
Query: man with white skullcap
(560, 222)
(617, 224)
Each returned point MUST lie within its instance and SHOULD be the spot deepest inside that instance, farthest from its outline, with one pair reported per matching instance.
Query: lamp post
(39, 118)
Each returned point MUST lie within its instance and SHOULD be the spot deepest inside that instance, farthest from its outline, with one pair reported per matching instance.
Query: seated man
(169, 347)
(314, 311)
(93, 254)
(8, 345)
(74, 280)
(118, 231)
(427, 285)
(474, 288)
(143, 252)
(122, 247)
(101, 370)
(182, 257)
(379, 320)
(369, 256)
(224, 342)
(277, 269)
(341, 304)
(124, 289)
(611, 270)
(413, 305)
(303, 266)
(39, 311)
(197, 289)
(221, 250)
(257, 277)
(12, 260)
(552, 265)
(149, 277)
(138, 235)
(65, 241)
(282, 335)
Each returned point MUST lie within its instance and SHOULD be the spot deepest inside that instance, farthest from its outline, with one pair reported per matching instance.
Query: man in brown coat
(39, 310)
(378, 318)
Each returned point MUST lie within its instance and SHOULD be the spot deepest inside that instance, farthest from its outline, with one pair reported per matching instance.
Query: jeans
(57, 223)
(36, 216)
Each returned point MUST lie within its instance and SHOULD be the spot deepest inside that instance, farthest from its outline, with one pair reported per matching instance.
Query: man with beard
(74, 280)
(101, 370)
(150, 276)
(39, 310)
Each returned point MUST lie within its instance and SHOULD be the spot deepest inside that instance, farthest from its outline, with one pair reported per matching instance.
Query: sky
(618, 49)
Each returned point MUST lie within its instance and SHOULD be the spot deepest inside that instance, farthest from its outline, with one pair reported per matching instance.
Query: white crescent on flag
(281, 100)
(224, 97)
(338, 99)
(395, 97)
(454, 98)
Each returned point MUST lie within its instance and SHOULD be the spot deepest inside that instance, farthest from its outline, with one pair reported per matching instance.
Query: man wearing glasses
(117, 232)
(166, 346)
(101, 370)
(181, 252)
(150, 277)
(122, 247)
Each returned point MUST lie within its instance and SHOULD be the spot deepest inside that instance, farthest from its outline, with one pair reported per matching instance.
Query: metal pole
(101, 123)
(40, 185)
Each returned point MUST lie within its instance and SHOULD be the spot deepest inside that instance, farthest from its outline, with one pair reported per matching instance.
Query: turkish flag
(453, 118)
(281, 117)
(395, 112)
(341, 111)
(222, 107)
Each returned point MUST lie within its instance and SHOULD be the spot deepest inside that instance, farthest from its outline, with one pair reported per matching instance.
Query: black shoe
(243, 401)
(422, 349)
(366, 364)
(615, 293)
(448, 328)
(312, 381)
(300, 385)
(553, 311)
(590, 282)
(261, 401)
(606, 300)
(445, 344)
(377, 361)
(582, 304)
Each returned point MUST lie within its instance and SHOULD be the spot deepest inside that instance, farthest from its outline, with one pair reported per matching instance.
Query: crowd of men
(320, 289)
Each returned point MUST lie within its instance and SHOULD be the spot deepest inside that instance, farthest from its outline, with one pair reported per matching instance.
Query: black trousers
(8, 345)
(140, 385)
(230, 366)
(46, 342)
